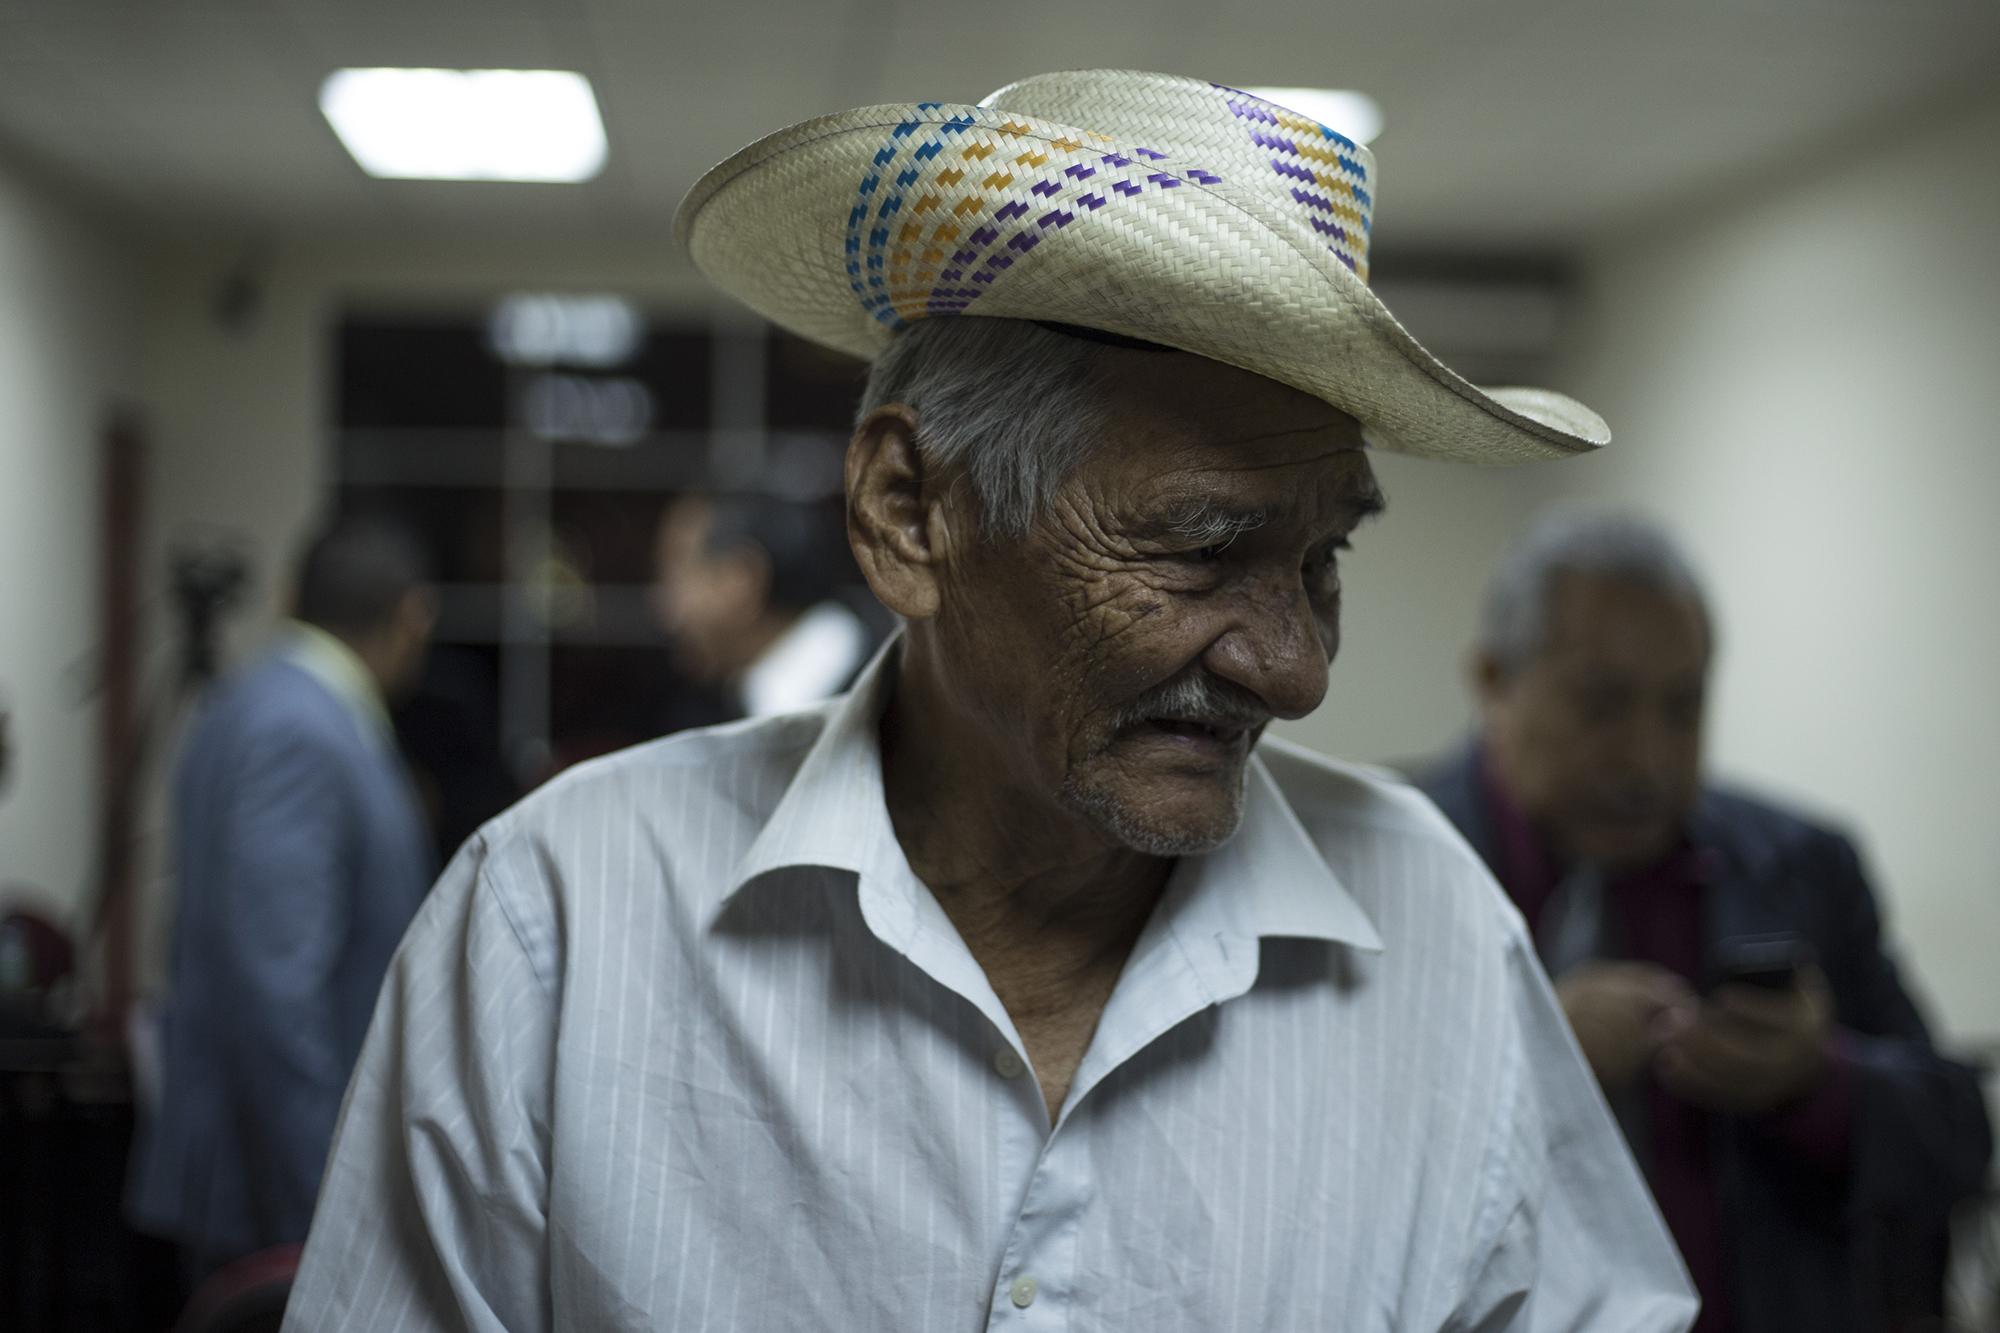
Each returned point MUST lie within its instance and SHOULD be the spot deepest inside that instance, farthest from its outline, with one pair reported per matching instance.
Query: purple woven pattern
(939, 218)
(1322, 171)
(879, 199)
(1077, 192)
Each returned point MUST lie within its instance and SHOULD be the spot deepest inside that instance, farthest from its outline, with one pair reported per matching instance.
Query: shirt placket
(1037, 1263)
(1043, 1173)
(1188, 957)
(1179, 967)
(1036, 1287)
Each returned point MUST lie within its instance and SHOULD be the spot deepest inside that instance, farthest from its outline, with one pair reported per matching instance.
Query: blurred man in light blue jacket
(300, 856)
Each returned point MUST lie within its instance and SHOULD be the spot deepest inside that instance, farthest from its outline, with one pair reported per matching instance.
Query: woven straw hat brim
(1202, 256)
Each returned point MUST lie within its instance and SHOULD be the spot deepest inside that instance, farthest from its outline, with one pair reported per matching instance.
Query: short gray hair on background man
(1009, 403)
(1595, 543)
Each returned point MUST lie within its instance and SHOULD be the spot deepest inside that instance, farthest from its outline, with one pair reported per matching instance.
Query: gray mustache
(1197, 698)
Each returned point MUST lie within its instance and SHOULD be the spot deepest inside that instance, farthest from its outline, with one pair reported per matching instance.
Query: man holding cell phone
(1719, 959)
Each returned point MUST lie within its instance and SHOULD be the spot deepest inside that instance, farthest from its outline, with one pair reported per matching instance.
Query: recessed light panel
(467, 124)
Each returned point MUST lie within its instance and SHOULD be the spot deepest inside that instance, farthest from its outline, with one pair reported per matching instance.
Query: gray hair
(1011, 407)
(1625, 547)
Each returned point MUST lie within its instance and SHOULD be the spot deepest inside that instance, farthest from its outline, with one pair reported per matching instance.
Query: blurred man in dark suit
(1720, 959)
(300, 856)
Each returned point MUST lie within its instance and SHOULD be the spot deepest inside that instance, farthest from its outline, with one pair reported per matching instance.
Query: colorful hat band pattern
(930, 250)
(1343, 213)
(937, 218)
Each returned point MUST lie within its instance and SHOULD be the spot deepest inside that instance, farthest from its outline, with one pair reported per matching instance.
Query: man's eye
(1211, 553)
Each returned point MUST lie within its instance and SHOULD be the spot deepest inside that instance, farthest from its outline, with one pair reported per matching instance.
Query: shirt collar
(1269, 879)
(333, 664)
(834, 812)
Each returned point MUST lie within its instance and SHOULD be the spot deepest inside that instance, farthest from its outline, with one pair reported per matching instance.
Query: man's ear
(896, 516)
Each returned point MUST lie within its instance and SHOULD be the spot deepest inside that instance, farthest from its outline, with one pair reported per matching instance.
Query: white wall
(69, 311)
(1806, 385)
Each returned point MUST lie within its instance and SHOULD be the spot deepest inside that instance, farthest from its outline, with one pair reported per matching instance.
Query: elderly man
(1026, 985)
(1803, 1138)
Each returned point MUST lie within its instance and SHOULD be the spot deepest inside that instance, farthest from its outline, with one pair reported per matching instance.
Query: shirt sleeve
(433, 1215)
(1567, 1236)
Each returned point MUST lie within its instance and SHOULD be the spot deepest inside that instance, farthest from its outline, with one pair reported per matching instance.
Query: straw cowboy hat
(1148, 206)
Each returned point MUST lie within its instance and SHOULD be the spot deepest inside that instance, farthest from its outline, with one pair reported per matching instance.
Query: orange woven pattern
(933, 227)
(1332, 181)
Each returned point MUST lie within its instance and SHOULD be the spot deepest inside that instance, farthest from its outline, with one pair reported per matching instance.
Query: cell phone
(1768, 962)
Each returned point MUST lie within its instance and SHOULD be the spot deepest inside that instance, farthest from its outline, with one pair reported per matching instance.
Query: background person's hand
(1618, 1011)
(1748, 1050)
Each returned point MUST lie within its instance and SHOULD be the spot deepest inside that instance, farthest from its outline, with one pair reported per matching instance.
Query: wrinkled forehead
(1183, 430)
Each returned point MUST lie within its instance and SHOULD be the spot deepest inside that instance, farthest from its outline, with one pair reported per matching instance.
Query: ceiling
(1522, 125)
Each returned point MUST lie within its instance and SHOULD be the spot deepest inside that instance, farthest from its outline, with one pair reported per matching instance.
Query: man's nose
(1278, 649)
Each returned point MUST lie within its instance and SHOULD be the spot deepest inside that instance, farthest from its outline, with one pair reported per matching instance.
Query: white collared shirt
(809, 662)
(682, 1043)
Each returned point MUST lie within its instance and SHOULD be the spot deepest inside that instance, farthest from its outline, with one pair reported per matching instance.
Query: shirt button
(1022, 1293)
(1008, 1063)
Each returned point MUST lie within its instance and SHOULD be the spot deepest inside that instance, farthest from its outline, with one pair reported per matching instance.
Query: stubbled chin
(1178, 814)
(1164, 838)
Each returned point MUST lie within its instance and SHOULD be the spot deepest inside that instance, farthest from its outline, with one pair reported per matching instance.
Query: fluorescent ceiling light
(467, 124)
(1355, 115)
